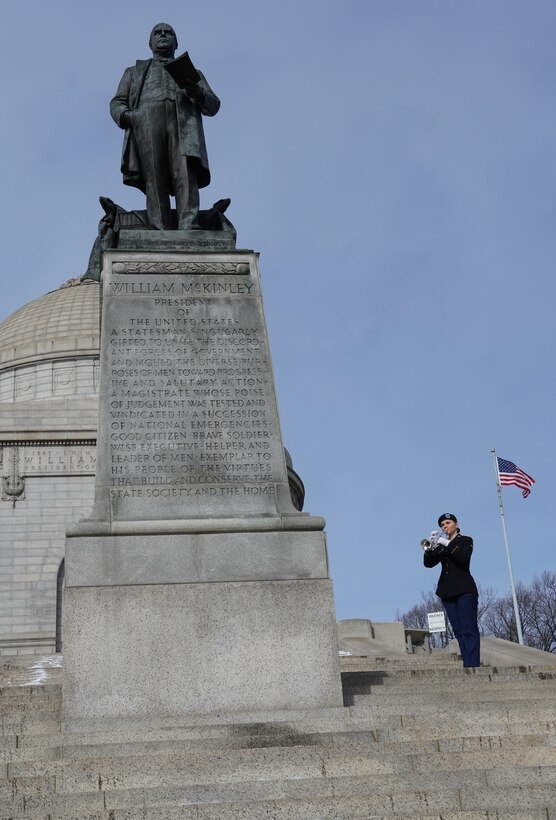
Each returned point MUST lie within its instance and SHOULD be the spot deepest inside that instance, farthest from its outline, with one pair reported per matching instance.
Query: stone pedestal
(195, 586)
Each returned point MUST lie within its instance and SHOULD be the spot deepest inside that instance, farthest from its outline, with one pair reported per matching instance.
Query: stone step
(514, 708)
(360, 679)
(535, 814)
(386, 698)
(31, 725)
(539, 688)
(304, 810)
(364, 716)
(367, 665)
(415, 732)
(476, 691)
(456, 670)
(30, 691)
(399, 740)
(347, 797)
(414, 698)
(431, 726)
(445, 723)
(430, 780)
(35, 697)
(28, 671)
(355, 739)
(198, 768)
(30, 711)
(468, 677)
(417, 805)
(494, 719)
(285, 733)
(505, 814)
(402, 661)
(339, 795)
(16, 755)
(375, 743)
(48, 697)
(394, 771)
(410, 666)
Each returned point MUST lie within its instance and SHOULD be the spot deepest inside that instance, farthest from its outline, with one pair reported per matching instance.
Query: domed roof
(60, 323)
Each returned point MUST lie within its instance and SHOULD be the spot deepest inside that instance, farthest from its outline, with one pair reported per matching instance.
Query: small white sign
(437, 621)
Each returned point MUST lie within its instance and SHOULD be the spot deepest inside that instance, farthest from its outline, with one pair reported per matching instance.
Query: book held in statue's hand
(183, 71)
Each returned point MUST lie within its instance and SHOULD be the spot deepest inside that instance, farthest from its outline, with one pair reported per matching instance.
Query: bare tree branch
(537, 608)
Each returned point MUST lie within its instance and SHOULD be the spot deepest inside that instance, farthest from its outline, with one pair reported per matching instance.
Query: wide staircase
(419, 737)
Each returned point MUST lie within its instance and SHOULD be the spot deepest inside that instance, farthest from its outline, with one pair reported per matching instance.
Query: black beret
(447, 517)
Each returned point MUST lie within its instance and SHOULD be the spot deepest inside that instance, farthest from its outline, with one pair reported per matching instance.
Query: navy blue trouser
(462, 614)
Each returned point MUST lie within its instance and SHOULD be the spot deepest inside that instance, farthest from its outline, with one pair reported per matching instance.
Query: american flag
(509, 473)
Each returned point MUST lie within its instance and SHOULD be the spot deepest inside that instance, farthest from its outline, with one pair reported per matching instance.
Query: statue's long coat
(190, 125)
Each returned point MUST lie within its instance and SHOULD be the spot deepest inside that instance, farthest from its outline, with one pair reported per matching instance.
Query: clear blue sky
(394, 164)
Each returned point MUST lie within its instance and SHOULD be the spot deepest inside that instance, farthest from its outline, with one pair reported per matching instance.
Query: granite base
(195, 649)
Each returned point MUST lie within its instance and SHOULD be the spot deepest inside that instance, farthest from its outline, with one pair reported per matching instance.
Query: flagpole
(503, 517)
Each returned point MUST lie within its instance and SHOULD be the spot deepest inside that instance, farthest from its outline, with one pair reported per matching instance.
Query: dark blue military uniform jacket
(455, 578)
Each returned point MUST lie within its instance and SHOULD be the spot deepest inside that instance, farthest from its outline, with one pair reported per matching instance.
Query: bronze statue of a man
(164, 152)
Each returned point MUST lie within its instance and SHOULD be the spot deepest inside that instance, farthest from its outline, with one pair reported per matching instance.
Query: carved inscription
(61, 460)
(192, 408)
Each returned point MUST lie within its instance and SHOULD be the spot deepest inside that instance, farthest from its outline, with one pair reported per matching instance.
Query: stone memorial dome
(62, 323)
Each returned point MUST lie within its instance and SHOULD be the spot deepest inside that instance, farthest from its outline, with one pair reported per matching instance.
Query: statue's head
(163, 40)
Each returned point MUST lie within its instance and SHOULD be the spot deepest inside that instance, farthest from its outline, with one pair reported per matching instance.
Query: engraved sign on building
(189, 417)
(36, 461)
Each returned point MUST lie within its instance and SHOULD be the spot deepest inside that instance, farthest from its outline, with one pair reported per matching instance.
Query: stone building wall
(56, 487)
(44, 380)
(49, 373)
